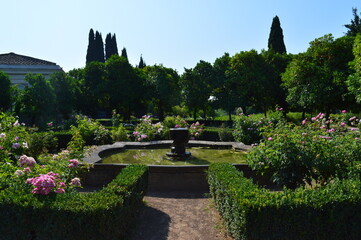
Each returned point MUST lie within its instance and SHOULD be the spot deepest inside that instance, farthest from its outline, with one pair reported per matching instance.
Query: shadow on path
(152, 224)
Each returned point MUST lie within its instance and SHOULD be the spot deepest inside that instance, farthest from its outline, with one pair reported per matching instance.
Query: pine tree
(355, 26)
(275, 40)
(141, 63)
(90, 56)
(124, 53)
(99, 47)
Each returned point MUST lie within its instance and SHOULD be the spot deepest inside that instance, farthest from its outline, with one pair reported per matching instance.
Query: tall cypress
(99, 47)
(114, 45)
(275, 40)
(108, 46)
(90, 55)
(355, 26)
(124, 53)
(141, 63)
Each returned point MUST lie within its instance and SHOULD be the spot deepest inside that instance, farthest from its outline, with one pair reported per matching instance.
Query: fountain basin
(162, 178)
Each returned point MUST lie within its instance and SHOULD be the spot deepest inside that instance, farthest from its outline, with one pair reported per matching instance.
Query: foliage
(5, 91)
(275, 40)
(106, 214)
(42, 142)
(163, 88)
(197, 86)
(325, 63)
(225, 134)
(110, 46)
(14, 138)
(354, 80)
(248, 128)
(251, 212)
(293, 155)
(37, 101)
(119, 134)
(145, 130)
(355, 26)
(91, 131)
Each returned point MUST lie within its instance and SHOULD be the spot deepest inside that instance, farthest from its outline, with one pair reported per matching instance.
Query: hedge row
(106, 214)
(251, 212)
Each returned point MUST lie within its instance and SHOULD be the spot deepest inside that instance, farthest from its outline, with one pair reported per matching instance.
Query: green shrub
(42, 142)
(119, 134)
(225, 134)
(91, 131)
(106, 214)
(251, 212)
(311, 152)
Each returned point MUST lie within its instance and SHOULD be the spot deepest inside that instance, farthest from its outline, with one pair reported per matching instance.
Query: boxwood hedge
(105, 214)
(250, 212)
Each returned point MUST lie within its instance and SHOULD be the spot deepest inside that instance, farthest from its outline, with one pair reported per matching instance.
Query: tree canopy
(275, 40)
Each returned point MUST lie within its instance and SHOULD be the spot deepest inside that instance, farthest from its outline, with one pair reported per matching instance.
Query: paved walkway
(178, 216)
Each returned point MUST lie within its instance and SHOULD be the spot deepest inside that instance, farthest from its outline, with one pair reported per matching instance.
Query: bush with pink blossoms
(146, 131)
(73, 163)
(47, 183)
(195, 130)
(25, 161)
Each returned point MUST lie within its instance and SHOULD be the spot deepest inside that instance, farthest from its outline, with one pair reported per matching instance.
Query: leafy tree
(125, 87)
(355, 26)
(354, 80)
(90, 56)
(94, 88)
(250, 70)
(197, 87)
(65, 90)
(225, 89)
(5, 92)
(124, 53)
(163, 87)
(277, 65)
(275, 40)
(317, 79)
(141, 63)
(37, 101)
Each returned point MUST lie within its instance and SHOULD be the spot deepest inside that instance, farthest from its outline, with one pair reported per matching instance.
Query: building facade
(17, 66)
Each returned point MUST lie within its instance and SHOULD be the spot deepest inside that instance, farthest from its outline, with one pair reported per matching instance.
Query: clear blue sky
(175, 33)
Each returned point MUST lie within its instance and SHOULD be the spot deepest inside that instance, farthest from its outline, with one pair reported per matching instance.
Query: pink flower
(313, 119)
(356, 138)
(50, 124)
(342, 124)
(352, 118)
(353, 129)
(46, 183)
(19, 173)
(16, 123)
(15, 145)
(270, 139)
(304, 121)
(177, 126)
(331, 130)
(1, 147)
(304, 134)
(73, 163)
(26, 161)
(344, 111)
(75, 182)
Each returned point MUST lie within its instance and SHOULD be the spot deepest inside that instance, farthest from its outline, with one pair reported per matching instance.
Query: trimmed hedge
(106, 214)
(251, 212)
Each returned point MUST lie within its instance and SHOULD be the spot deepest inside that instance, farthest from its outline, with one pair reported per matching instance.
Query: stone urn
(180, 137)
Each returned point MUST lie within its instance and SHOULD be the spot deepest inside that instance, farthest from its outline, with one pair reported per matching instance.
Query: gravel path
(178, 217)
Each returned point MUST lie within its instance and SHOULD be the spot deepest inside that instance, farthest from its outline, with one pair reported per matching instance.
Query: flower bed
(251, 212)
(106, 214)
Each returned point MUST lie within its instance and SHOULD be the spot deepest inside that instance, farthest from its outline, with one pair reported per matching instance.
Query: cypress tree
(141, 63)
(114, 45)
(108, 46)
(99, 47)
(275, 40)
(124, 53)
(90, 55)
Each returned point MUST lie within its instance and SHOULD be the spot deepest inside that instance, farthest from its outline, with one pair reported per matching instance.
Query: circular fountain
(180, 137)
